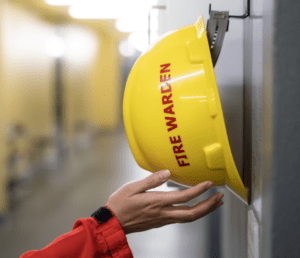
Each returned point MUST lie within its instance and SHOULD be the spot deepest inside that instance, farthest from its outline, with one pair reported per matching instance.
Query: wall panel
(106, 86)
(28, 69)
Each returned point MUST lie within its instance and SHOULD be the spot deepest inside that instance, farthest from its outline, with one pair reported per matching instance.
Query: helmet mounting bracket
(217, 25)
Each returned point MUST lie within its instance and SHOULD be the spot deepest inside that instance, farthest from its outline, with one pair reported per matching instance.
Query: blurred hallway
(63, 71)
(81, 186)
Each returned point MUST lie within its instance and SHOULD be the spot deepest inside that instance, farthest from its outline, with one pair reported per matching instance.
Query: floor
(81, 186)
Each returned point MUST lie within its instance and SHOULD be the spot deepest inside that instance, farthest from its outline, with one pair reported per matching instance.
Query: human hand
(138, 210)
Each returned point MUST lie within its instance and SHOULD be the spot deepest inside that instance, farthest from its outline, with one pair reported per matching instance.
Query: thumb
(152, 181)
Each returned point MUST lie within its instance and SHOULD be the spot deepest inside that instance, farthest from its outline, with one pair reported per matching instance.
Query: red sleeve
(88, 239)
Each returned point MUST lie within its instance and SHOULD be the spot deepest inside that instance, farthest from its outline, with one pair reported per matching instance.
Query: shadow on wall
(232, 104)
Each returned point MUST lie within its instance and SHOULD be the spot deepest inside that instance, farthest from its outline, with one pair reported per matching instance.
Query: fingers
(188, 214)
(154, 180)
(178, 197)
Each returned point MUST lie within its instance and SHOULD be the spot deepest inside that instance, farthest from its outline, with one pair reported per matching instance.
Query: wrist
(102, 215)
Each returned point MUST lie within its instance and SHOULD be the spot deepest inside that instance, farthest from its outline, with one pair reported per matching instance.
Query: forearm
(88, 239)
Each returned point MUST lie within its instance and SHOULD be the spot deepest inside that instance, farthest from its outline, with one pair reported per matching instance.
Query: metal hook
(237, 16)
(159, 7)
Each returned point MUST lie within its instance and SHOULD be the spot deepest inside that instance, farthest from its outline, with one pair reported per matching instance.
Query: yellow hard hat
(173, 116)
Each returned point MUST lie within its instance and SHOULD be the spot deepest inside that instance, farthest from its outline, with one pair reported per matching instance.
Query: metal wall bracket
(217, 25)
(237, 16)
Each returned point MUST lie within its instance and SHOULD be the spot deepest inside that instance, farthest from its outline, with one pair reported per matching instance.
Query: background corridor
(84, 182)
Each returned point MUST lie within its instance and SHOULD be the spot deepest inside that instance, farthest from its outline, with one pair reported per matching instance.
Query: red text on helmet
(165, 66)
(166, 90)
(169, 110)
(179, 149)
(166, 99)
(170, 123)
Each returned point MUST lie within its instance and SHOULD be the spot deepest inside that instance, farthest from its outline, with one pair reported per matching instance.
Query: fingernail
(220, 197)
(164, 174)
(210, 184)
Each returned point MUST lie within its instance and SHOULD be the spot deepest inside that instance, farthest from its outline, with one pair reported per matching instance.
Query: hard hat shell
(173, 116)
